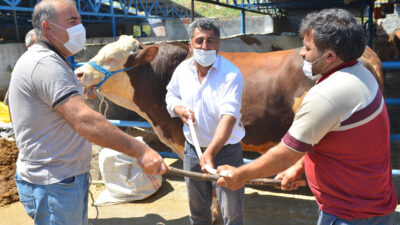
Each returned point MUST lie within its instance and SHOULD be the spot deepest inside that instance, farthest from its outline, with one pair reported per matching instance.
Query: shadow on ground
(147, 219)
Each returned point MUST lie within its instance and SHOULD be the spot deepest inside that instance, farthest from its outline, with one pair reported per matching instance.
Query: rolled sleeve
(230, 108)
(231, 95)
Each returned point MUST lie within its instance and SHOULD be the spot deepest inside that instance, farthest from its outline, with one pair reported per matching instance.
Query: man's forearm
(96, 129)
(221, 134)
(277, 159)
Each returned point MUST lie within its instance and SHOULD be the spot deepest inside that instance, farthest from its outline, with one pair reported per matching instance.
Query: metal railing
(392, 101)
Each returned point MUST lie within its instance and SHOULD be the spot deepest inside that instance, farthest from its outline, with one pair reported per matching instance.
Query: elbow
(84, 124)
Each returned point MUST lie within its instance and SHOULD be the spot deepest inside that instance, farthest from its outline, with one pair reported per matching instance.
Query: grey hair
(204, 24)
(45, 11)
(30, 38)
(335, 29)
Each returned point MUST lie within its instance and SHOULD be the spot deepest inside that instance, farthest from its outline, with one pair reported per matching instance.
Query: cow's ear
(146, 55)
(112, 61)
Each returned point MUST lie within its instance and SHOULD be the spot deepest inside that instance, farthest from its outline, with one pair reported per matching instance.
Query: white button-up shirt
(220, 93)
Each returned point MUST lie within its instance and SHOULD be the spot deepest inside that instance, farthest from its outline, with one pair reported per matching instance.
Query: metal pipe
(370, 22)
(15, 21)
(192, 10)
(392, 101)
(395, 137)
(391, 65)
(211, 177)
(114, 33)
(243, 20)
(122, 123)
(395, 172)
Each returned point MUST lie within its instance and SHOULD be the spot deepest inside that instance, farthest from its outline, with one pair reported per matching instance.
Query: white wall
(176, 29)
(9, 54)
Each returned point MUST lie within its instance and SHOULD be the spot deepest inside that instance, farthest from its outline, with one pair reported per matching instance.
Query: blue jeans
(231, 203)
(329, 219)
(64, 203)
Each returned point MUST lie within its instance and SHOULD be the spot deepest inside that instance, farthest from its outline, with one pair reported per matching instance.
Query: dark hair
(204, 24)
(335, 29)
(44, 10)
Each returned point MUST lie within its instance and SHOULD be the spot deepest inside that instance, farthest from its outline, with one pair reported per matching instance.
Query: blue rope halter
(107, 73)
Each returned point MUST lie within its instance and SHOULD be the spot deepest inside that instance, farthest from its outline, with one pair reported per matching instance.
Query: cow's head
(122, 55)
(394, 43)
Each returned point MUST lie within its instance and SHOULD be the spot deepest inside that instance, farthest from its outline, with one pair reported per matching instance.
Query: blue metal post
(243, 18)
(391, 65)
(113, 20)
(78, 4)
(392, 101)
(362, 13)
(370, 22)
(395, 137)
(72, 61)
(15, 20)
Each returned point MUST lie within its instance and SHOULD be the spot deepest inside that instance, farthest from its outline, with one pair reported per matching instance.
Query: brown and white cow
(274, 85)
(388, 45)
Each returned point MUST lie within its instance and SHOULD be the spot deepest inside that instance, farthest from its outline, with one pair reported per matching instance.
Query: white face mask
(76, 38)
(204, 57)
(307, 69)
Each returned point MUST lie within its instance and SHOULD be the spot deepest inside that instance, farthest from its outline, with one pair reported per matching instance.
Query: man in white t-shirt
(208, 88)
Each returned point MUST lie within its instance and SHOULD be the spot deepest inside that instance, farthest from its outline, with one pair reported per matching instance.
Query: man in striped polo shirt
(340, 135)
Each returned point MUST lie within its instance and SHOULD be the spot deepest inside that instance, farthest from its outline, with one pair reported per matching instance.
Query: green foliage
(212, 10)
(136, 31)
(141, 30)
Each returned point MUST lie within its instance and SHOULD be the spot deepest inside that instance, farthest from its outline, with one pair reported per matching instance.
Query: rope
(101, 97)
(102, 100)
(92, 199)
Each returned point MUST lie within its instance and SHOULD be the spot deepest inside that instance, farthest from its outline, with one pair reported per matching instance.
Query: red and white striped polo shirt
(343, 126)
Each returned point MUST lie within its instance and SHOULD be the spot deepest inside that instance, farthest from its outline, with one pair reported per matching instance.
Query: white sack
(124, 179)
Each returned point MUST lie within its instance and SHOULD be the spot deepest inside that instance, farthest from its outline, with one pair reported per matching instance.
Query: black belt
(203, 149)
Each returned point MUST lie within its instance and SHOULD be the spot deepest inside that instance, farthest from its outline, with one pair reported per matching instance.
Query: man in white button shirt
(208, 89)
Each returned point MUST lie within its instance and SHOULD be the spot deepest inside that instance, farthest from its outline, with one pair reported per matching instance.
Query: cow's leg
(214, 207)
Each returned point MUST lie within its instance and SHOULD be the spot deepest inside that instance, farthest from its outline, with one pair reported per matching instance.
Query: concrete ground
(169, 206)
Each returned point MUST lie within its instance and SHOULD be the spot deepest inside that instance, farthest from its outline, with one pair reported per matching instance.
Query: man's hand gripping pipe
(224, 173)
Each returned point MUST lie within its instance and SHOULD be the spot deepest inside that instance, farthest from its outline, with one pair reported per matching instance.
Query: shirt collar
(337, 68)
(47, 45)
